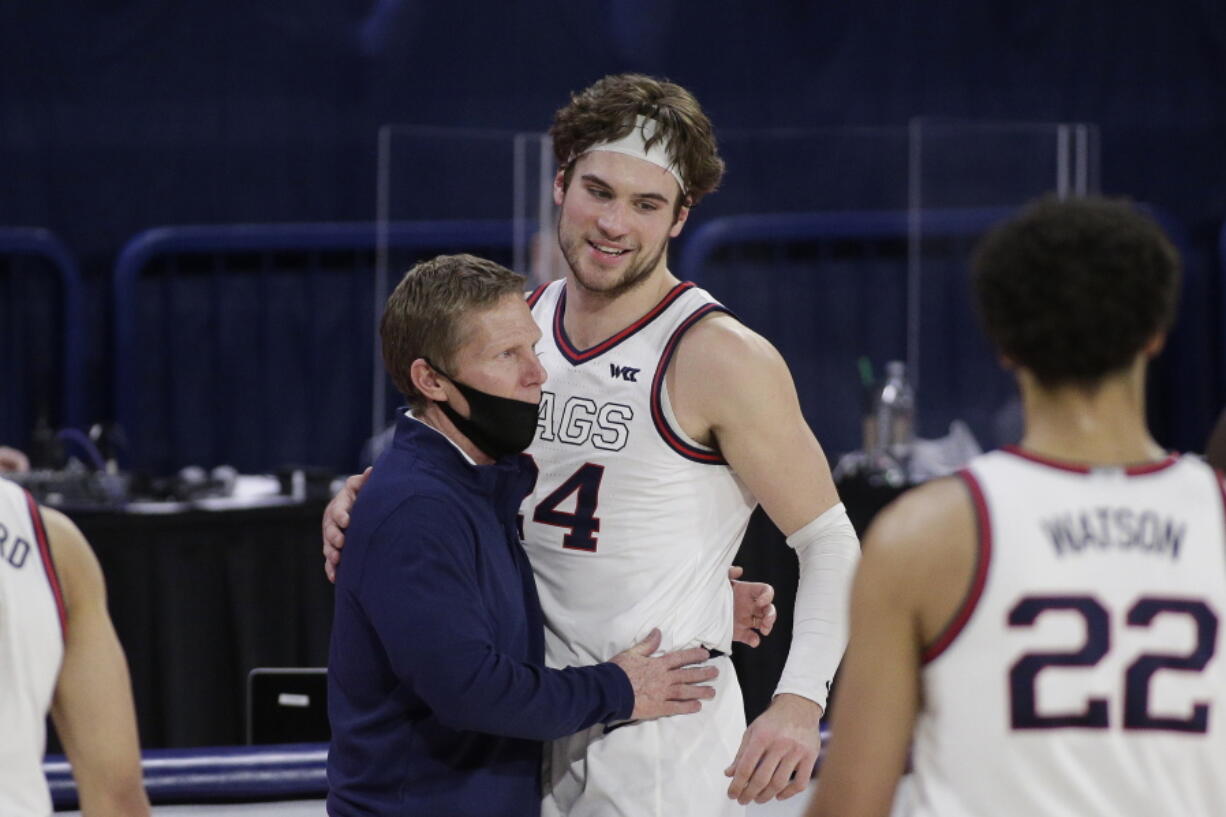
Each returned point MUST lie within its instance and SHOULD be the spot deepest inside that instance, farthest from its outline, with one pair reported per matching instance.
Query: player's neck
(592, 317)
(1103, 426)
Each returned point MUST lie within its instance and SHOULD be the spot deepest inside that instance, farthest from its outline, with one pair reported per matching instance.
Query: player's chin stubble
(633, 277)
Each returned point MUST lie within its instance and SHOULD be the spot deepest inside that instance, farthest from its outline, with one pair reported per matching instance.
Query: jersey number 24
(582, 524)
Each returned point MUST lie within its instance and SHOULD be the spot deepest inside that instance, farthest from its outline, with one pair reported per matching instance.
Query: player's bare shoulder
(924, 519)
(719, 344)
(723, 372)
(925, 544)
(722, 366)
(75, 562)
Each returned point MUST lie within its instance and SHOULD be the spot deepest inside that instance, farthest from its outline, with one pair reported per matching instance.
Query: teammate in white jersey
(59, 652)
(666, 422)
(1044, 630)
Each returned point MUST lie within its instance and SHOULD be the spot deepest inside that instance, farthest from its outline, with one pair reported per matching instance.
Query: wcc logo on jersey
(627, 373)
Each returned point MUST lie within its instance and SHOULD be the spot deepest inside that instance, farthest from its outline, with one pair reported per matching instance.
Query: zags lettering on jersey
(582, 420)
(14, 552)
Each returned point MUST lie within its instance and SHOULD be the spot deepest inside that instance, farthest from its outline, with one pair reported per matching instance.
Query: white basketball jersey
(31, 649)
(631, 525)
(1084, 674)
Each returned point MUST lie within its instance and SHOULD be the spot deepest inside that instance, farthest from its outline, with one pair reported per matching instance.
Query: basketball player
(1044, 629)
(58, 651)
(665, 421)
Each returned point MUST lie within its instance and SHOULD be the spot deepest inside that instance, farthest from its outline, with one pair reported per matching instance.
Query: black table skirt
(200, 598)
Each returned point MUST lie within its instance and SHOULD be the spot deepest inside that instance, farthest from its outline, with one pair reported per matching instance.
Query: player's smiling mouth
(612, 252)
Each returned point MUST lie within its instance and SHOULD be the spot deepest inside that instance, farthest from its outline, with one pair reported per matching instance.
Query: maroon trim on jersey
(1152, 467)
(1221, 483)
(671, 437)
(983, 558)
(1079, 468)
(576, 356)
(44, 550)
(535, 295)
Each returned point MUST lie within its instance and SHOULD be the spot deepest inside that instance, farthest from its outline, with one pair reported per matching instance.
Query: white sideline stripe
(215, 760)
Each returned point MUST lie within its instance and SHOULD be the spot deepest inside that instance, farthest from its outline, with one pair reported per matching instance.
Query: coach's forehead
(506, 322)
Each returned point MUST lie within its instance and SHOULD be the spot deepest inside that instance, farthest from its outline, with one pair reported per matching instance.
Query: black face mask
(497, 425)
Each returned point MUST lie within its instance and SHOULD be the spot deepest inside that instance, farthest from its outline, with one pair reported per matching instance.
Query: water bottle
(890, 427)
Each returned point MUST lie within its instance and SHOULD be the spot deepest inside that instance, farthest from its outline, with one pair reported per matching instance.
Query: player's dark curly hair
(1073, 290)
(607, 110)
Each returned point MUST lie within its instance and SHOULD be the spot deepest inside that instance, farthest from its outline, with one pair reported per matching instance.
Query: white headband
(634, 144)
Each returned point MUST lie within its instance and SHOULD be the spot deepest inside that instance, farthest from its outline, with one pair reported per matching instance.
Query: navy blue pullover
(437, 688)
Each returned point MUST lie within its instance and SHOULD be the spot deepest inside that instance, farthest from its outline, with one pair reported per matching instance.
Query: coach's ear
(426, 381)
(559, 187)
(1154, 346)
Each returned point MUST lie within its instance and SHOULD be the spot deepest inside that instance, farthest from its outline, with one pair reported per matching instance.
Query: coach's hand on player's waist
(778, 751)
(336, 519)
(668, 684)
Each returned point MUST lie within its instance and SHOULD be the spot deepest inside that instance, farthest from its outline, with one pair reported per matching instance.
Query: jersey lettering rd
(13, 552)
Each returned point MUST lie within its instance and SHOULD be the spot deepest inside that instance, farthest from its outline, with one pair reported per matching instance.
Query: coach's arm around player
(92, 708)
(753, 617)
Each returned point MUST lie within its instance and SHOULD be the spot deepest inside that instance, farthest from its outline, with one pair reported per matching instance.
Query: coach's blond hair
(425, 314)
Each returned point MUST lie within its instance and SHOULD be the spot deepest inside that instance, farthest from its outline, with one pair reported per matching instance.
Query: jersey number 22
(1025, 672)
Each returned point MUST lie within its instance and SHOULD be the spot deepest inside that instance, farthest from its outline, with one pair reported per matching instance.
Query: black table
(199, 598)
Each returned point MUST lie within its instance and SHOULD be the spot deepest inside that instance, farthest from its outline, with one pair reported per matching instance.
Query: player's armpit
(92, 708)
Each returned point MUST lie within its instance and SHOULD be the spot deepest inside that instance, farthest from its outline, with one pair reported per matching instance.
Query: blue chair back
(252, 345)
(40, 334)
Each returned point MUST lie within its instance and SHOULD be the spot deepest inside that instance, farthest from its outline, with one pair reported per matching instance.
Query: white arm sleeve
(828, 550)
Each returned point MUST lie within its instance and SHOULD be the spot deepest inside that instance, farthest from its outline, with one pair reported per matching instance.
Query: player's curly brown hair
(425, 313)
(1073, 290)
(608, 109)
